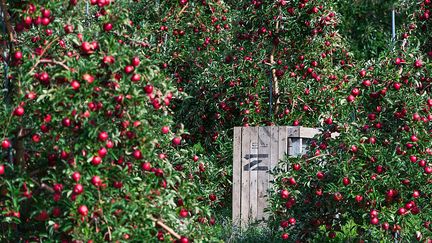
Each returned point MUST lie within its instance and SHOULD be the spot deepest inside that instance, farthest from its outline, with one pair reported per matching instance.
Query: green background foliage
(212, 65)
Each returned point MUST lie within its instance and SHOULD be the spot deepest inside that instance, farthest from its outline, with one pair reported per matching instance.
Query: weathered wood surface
(236, 197)
(245, 176)
(257, 151)
(253, 173)
(264, 138)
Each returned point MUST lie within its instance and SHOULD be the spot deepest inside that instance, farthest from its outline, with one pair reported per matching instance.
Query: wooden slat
(274, 159)
(294, 147)
(275, 147)
(305, 145)
(283, 142)
(246, 143)
(294, 141)
(307, 132)
(293, 132)
(253, 181)
(263, 168)
(236, 196)
(255, 152)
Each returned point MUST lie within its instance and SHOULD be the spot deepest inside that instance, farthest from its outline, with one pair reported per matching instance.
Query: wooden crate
(257, 151)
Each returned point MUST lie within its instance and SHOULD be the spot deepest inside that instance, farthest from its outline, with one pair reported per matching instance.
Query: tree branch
(6, 17)
(165, 227)
(181, 11)
(55, 62)
(132, 41)
(273, 70)
(43, 186)
(41, 55)
(316, 157)
(108, 228)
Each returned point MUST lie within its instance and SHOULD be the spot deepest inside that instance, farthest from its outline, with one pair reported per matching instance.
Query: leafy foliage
(144, 95)
(96, 153)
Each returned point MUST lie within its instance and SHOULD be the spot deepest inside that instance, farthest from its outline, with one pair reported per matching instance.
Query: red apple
(183, 213)
(86, 47)
(176, 141)
(78, 189)
(137, 154)
(350, 98)
(284, 194)
(6, 144)
(76, 176)
(19, 111)
(346, 181)
(129, 69)
(83, 210)
(18, 55)
(146, 166)
(96, 181)
(2, 169)
(75, 85)
(96, 160)
(103, 136)
(135, 62)
(107, 27)
(165, 129)
(135, 77)
(102, 152)
(212, 197)
(320, 175)
(148, 89)
(183, 239)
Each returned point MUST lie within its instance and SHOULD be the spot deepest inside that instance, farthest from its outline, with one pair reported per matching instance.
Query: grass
(255, 233)
(261, 233)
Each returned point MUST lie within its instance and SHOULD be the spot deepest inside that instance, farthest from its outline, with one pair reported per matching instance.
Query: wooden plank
(274, 150)
(245, 148)
(264, 154)
(283, 143)
(307, 132)
(236, 196)
(293, 131)
(274, 159)
(257, 150)
(305, 145)
(253, 181)
(294, 147)
(294, 141)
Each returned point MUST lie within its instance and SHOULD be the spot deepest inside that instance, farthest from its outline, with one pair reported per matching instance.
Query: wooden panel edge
(237, 182)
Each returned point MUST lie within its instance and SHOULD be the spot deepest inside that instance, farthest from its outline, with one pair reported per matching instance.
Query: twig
(6, 17)
(109, 230)
(273, 70)
(35, 172)
(132, 41)
(43, 186)
(104, 217)
(18, 145)
(48, 46)
(315, 157)
(42, 53)
(182, 10)
(309, 109)
(46, 187)
(165, 227)
(55, 62)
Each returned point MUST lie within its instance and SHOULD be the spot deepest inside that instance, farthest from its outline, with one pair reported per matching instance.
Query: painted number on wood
(255, 161)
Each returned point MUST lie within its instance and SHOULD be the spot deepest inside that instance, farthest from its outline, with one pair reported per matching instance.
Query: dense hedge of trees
(117, 116)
